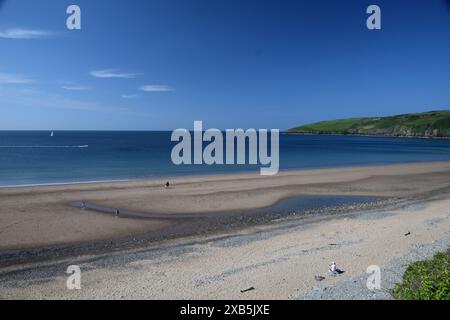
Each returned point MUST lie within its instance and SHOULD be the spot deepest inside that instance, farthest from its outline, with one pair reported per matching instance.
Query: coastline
(280, 260)
(150, 157)
(201, 175)
(62, 183)
(39, 222)
(213, 255)
(366, 135)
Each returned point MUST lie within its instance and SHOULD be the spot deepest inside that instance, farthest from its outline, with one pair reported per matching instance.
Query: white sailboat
(51, 134)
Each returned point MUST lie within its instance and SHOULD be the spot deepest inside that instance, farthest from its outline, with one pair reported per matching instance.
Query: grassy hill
(427, 124)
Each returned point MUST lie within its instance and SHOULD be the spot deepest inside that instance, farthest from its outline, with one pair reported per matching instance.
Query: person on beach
(167, 184)
(117, 212)
(83, 205)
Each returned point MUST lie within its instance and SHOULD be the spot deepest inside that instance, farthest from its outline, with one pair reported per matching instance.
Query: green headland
(431, 124)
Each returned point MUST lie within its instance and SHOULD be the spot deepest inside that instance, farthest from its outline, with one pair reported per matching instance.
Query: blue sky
(160, 65)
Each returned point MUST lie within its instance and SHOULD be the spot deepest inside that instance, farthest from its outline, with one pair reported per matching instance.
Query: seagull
(333, 267)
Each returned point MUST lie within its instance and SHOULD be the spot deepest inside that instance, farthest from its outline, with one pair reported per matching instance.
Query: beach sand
(41, 216)
(279, 259)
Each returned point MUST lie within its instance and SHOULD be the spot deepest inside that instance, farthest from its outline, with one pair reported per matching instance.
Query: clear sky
(161, 64)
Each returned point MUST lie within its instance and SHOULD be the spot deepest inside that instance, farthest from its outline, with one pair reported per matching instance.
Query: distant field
(427, 124)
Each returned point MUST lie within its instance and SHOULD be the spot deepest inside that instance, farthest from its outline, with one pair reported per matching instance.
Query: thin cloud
(156, 88)
(7, 78)
(25, 97)
(77, 88)
(18, 33)
(129, 96)
(112, 73)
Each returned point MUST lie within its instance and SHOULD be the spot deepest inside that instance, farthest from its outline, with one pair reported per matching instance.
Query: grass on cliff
(418, 122)
(426, 280)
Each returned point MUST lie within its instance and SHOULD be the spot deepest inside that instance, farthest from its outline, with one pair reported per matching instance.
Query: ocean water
(33, 157)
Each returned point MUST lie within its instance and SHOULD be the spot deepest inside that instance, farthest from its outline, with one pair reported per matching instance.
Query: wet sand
(279, 260)
(41, 222)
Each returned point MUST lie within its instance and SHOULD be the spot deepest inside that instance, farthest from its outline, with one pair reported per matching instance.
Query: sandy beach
(42, 232)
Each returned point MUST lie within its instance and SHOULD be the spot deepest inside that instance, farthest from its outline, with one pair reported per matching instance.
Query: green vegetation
(427, 124)
(426, 280)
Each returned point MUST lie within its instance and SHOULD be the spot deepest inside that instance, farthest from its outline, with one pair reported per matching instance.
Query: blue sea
(34, 157)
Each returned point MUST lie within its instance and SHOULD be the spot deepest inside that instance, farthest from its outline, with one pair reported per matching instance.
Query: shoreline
(62, 183)
(231, 174)
(367, 135)
(235, 247)
(39, 221)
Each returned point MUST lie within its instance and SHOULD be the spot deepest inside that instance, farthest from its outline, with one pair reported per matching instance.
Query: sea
(37, 158)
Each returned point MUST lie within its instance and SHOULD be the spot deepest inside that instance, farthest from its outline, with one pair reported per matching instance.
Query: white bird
(333, 267)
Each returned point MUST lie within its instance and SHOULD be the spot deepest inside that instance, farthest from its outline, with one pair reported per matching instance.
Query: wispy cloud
(156, 88)
(26, 97)
(18, 33)
(7, 78)
(29, 97)
(112, 73)
(129, 96)
(37, 98)
(76, 88)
